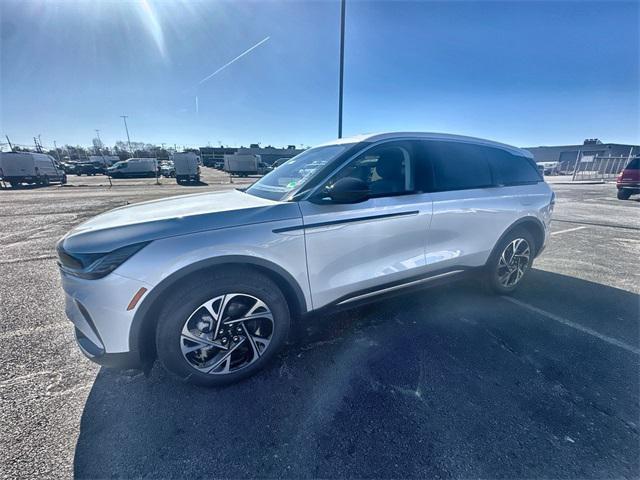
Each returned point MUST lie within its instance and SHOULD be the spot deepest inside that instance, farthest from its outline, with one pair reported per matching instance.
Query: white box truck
(187, 167)
(244, 165)
(32, 168)
(134, 168)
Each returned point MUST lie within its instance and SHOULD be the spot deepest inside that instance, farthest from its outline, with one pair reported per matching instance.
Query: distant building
(215, 155)
(270, 154)
(567, 155)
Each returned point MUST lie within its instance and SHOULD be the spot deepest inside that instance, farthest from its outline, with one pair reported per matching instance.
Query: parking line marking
(569, 323)
(567, 230)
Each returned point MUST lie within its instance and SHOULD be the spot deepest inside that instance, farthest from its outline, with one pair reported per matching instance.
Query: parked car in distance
(167, 169)
(549, 168)
(628, 182)
(210, 283)
(134, 167)
(187, 166)
(89, 168)
(68, 167)
(104, 160)
(31, 168)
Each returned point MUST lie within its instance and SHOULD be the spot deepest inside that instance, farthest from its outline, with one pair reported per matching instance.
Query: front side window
(459, 166)
(295, 173)
(387, 169)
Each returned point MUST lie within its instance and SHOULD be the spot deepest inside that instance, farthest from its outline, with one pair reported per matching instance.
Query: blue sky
(525, 73)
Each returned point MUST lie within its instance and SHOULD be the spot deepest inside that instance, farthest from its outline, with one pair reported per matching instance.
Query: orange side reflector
(136, 298)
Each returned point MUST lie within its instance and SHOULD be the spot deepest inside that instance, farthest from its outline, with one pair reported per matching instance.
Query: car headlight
(97, 265)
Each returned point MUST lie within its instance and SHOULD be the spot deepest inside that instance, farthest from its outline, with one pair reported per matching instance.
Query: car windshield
(293, 174)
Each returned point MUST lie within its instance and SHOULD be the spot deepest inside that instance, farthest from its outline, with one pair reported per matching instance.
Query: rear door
(355, 248)
(469, 211)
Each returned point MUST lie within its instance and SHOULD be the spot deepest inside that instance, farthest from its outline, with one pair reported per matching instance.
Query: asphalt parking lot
(448, 382)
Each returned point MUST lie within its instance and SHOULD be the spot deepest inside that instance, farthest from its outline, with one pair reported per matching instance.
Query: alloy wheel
(513, 262)
(227, 333)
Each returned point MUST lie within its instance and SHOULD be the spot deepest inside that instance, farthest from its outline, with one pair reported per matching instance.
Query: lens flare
(151, 23)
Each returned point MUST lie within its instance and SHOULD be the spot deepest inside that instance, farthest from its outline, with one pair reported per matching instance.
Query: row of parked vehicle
(18, 168)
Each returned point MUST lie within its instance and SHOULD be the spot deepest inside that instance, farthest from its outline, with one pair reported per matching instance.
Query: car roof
(377, 137)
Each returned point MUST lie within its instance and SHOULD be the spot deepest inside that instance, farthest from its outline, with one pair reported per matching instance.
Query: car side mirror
(349, 190)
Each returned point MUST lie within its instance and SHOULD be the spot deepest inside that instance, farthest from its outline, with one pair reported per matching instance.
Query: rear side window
(509, 169)
(634, 164)
(458, 166)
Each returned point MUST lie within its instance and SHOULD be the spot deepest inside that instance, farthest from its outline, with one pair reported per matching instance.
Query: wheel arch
(533, 225)
(142, 333)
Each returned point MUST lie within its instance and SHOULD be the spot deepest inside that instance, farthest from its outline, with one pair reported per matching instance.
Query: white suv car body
(339, 223)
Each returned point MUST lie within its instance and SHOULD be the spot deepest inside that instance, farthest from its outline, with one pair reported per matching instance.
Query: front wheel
(509, 262)
(222, 327)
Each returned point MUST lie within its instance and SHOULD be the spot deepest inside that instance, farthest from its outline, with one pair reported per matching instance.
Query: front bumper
(98, 310)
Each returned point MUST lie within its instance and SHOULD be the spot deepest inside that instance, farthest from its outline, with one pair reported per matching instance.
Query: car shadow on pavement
(447, 382)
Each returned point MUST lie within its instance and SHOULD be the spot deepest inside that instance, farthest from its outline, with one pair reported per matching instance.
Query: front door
(353, 248)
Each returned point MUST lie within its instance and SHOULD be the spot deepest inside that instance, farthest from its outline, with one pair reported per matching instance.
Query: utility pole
(124, 118)
(55, 145)
(10, 146)
(342, 10)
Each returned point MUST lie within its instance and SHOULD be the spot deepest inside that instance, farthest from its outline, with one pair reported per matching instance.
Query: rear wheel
(509, 262)
(623, 194)
(222, 327)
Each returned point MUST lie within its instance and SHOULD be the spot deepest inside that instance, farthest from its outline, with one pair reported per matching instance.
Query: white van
(134, 167)
(187, 167)
(31, 168)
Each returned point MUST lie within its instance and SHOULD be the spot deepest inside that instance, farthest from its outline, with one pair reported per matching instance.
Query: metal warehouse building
(212, 155)
(568, 155)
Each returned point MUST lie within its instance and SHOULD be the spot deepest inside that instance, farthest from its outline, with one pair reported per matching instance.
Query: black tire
(14, 184)
(188, 297)
(623, 194)
(491, 278)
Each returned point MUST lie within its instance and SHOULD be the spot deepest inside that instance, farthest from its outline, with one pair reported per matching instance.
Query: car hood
(173, 216)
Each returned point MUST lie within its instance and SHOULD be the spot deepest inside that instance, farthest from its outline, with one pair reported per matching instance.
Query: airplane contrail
(234, 60)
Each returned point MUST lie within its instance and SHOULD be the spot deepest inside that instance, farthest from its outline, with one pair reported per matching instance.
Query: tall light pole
(342, 9)
(124, 118)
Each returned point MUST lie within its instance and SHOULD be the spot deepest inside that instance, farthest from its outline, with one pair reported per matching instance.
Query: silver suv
(210, 283)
